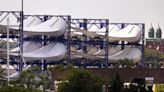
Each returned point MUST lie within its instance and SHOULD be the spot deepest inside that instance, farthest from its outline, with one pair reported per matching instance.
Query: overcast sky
(142, 11)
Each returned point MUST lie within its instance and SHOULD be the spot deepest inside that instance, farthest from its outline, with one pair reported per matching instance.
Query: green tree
(26, 77)
(2, 77)
(126, 62)
(116, 84)
(16, 89)
(45, 80)
(81, 81)
(153, 56)
(33, 78)
(1, 73)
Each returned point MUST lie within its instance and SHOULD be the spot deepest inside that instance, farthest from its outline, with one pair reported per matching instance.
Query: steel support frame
(44, 39)
(86, 24)
(143, 46)
(19, 17)
(142, 40)
(21, 41)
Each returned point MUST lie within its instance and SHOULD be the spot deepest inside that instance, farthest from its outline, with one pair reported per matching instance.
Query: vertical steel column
(21, 41)
(68, 41)
(122, 42)
(143, 41)
(84, 40)
(106, 43)
(8, 46)
(84, 36)
(44, 63)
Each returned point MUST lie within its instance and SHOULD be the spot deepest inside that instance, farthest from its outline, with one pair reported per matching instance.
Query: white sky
(142, 11)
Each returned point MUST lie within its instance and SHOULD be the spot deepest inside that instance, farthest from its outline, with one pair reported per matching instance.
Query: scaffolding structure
(18, 18)
(82, 42)
(19, 62)
(45, 39)
(139, 44)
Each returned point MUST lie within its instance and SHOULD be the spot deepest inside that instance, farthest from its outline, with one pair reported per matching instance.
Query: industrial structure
(46, 40)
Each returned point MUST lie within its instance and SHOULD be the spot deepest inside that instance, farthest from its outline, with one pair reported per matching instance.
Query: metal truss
(84, 41)
(139, 44)
(44, 39)
(17, 16)
(80, 42)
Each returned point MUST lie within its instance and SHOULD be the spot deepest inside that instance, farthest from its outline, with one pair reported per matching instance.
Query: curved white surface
(93, 28)
(75, 56)
(17, 74)
(80, 51)
(77, 31)
(100, 52)
(29, 22)
(112, 28)
(93, 31)
(128, 53)
(131, 33)
(120, 54)
(27, 47)
(135, 55)
(52, 27)
(3, 47)
(73, 32)
(52, 51)
(6, 67)
(73, 49)
(56, 51)
(13, 76)
(89, 55)
(34, 26)
(3, 44)
(3, 23)
(112, 51)
(81, 55)
(92, 50)
(5, 16)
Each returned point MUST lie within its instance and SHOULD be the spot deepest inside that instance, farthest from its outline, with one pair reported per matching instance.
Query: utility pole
(8, 58)
(21, 38)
